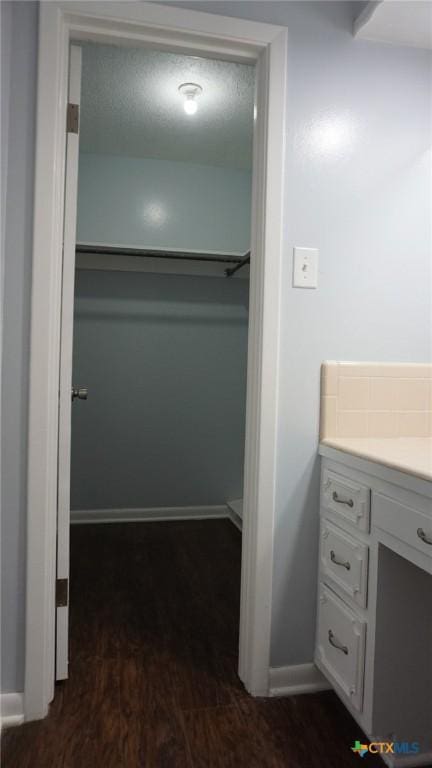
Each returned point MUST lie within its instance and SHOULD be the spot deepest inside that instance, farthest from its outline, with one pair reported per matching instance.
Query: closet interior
(161, 293)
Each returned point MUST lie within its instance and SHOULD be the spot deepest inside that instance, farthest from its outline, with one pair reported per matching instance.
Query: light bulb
(190, 106)
(190, 91)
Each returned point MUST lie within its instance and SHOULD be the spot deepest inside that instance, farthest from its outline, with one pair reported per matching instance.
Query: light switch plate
(305, 273)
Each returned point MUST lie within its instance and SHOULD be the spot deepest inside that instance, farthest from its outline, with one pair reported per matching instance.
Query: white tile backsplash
(351, 423)
(383, 394)
(376, 400)
(412, 394)
(414, 424)
(353, 393)
(382, 424)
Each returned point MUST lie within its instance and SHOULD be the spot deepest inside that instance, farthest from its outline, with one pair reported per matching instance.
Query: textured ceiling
(131, 106)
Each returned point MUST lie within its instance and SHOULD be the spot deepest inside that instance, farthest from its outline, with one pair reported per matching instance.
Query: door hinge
(72, 118)
(62, 589)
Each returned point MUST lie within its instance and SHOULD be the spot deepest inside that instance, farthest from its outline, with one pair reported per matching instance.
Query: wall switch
(305, 273)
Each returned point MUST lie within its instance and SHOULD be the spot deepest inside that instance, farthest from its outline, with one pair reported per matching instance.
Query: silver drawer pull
(336, 644)
(348, 502)
(344, 563)
(423, 536)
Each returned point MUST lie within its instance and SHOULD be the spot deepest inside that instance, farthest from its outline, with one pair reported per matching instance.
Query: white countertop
(407, 454)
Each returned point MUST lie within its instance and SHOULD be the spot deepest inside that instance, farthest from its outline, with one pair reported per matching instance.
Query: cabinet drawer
(344, 562)
(347, 499)
(405, 523)
(341, 645)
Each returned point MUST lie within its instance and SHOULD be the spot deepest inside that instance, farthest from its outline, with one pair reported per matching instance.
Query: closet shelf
(239, 261)
(232, 270)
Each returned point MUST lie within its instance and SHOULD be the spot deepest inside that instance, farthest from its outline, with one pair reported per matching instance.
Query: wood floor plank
(153, 665)
(311, 730)
(222, 737)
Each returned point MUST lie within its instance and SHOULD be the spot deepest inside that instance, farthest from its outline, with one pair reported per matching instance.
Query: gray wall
(163, 204)
(366, 209)
(20, 58)
(358, 188)
(164, 358)
(369, 214)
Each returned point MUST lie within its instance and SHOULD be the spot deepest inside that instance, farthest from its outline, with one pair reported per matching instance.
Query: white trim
(235, 519)
(235, 510)
(197, 34)
(44, 363)
(295, 679)
(236, 505)
(66, 356)
(263, 367)
(148, 514)
(11, 709)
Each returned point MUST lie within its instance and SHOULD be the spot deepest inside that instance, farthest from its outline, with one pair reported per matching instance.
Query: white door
(66, 341)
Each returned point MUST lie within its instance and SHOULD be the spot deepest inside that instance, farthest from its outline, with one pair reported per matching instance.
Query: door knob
(80, 392)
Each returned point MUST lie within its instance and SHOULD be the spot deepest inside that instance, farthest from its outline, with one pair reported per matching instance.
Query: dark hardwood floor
(153, 658)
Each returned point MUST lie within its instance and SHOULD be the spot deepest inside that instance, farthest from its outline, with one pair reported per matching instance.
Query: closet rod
(157, 254)
(232, 270)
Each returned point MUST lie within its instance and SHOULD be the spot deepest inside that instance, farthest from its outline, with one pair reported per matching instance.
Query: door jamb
(199, 34)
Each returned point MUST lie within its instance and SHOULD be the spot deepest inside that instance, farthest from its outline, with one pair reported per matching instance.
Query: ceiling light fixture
(190, 91)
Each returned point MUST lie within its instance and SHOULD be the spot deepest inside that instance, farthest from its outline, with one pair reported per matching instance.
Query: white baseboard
(237, 521)
(236, 505)
(235, 511)
(299, 678)
(149, 514)
(11, 709)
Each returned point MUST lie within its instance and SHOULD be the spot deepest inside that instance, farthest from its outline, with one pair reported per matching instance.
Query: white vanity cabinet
(344, 562)
(341, 645)
(374, 622)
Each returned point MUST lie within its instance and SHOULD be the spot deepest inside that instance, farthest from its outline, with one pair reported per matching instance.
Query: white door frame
(193, 33)
(65, 375)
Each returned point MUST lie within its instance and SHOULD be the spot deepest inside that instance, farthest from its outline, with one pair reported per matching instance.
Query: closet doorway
(205, 36)
(160, 327)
